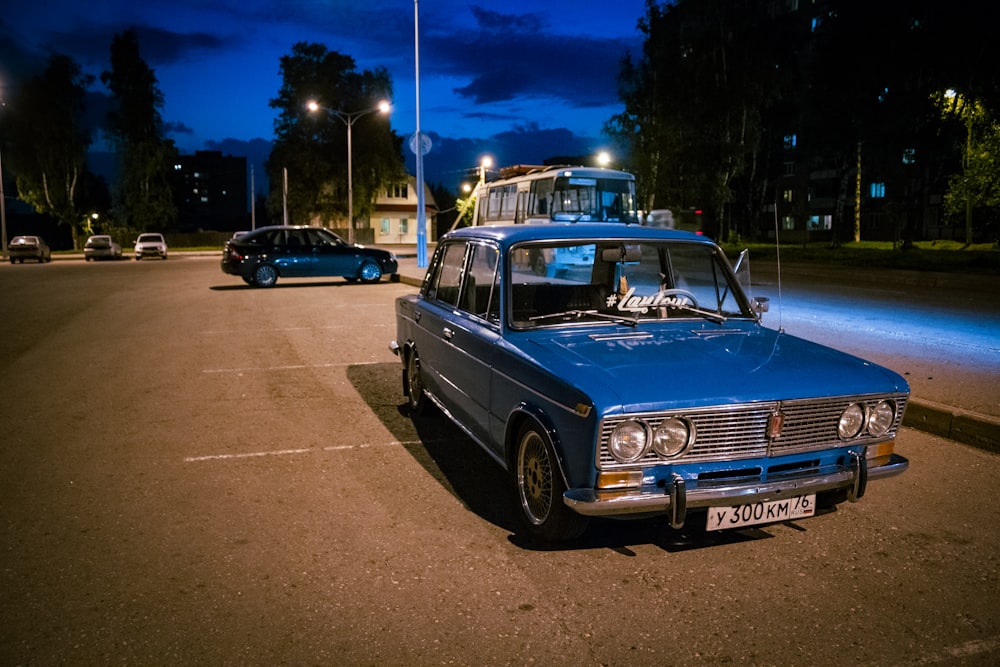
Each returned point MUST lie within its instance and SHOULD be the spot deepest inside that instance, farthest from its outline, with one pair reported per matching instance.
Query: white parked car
(150, 244)
(101, 246)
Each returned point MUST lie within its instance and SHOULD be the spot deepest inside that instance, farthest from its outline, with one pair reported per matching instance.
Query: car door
(455, 332)
(332, 256)
(293, 255)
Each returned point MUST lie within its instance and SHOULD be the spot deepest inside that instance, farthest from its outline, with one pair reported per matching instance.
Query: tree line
(46, 134)
(46, 138)
(905, 92)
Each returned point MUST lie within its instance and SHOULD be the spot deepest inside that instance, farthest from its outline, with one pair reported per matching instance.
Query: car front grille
(725, 433)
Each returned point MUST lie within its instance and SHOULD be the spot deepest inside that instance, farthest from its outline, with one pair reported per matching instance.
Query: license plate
(720, 518)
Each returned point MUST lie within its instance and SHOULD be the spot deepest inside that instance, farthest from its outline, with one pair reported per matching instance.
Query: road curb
(970, 428)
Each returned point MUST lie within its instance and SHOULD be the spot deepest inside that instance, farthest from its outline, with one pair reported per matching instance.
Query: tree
(694, 101)
(312, 146)
(978, 184)
(143, 198)
(50, 141)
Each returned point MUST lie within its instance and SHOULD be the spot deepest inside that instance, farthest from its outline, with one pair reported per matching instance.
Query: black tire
(416, 399)
(370, 272)
(265, 275)
(540, 487)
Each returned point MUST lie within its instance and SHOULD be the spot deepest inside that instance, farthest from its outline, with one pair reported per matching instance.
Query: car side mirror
(760, 305)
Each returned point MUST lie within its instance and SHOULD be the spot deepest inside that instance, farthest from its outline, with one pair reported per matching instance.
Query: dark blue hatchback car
(262, 256)
(621, 371)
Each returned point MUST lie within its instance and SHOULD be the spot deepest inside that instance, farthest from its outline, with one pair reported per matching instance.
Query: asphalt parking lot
(194, 471)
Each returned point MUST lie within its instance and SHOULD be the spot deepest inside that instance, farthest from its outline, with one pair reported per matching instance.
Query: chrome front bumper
(681, 495)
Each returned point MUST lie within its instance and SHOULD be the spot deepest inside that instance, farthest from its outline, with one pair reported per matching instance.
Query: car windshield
(150, 238)
(553, 284)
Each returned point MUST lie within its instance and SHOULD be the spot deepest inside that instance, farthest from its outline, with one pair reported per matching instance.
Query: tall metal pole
(421, 212)
(350, 182)
(284, 193)
(3, 213)
(253, 202)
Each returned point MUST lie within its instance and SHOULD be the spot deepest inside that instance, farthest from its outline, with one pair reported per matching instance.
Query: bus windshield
(585, 199)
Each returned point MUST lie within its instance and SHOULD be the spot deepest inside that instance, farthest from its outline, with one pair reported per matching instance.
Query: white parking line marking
(291, 367)
(969, 649)
(287, 452)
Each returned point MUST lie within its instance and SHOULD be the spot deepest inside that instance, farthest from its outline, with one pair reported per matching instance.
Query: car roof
(260, 229)
(558, 231)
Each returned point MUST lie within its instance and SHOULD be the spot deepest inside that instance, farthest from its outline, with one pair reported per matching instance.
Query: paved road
(196, 472)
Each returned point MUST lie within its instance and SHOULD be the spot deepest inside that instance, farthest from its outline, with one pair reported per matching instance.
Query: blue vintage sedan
(616, 370)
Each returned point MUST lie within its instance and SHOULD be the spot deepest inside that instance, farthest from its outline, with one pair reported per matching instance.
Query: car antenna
(777, 249)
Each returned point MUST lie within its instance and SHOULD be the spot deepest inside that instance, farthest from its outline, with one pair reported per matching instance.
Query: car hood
(703, 364)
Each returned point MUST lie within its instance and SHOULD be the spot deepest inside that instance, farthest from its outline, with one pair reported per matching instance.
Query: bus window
(493, 205)
(574, 199)
(541, 192)
(509, 201)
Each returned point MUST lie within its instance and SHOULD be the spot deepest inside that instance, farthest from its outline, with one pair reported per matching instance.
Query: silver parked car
(101, 246)
(29, 247)
(150, 244)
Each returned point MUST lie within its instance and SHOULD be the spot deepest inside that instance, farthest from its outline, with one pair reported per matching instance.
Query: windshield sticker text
(668, 298)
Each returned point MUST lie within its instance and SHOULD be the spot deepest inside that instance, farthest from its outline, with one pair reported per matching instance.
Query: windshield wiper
(707, 314)
(630, 321)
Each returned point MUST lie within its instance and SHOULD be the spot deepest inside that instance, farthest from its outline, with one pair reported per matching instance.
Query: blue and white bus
(531, 194)
(537, 195)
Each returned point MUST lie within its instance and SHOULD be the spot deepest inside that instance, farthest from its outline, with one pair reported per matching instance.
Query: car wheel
(540, 489)
(416, 399)
(370, 272)
(265, 275)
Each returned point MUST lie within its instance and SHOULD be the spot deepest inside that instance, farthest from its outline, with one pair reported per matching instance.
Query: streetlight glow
(349, 118)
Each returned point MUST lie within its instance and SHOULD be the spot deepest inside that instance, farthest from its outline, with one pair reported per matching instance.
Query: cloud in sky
(505, 77)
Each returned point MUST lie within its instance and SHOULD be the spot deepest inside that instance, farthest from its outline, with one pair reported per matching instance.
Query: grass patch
(943, 256)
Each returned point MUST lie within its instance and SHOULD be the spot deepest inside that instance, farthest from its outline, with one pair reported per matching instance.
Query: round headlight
(852, 420)
(881, 418)
(671, 437)
(628, 441)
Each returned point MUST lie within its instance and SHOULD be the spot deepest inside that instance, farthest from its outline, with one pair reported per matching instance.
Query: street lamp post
(349, 118)
(3, 214)
(3, 206)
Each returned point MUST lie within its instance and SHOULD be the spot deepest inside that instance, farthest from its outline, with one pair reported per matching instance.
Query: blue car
(638, 382)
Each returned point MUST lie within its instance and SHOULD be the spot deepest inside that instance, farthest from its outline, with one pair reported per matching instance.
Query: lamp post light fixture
(484, 164)
(349, 118)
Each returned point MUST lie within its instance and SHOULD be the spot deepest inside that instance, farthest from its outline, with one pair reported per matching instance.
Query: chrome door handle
(448, 333)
